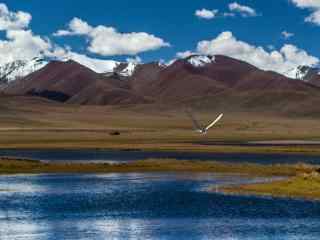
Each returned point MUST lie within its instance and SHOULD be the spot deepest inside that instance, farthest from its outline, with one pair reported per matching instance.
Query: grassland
(34, 123)
(28, 123)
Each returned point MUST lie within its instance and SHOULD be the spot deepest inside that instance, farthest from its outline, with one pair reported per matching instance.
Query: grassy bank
(306, 187)
(15, 166)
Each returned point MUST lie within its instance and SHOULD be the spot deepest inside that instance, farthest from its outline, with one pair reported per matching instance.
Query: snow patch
(303, 72)
(129, 70)
(97, 65)
(20, 68)
(200, 61)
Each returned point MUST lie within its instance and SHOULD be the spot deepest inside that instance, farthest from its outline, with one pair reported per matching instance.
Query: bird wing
(194, 121)
(214, 122)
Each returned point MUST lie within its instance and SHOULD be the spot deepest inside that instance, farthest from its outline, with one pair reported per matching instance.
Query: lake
(146, 206)
(126, 156)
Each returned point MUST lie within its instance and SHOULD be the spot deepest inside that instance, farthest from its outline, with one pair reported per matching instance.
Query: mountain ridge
(195, 80)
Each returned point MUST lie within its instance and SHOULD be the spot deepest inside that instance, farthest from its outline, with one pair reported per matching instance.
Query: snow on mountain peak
(129, 70)
(303, 72)
(200, 61)
(97, 65)
(20, 68)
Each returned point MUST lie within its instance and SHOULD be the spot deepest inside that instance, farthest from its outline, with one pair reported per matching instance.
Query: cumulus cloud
(206, 14)
(234, 8)
(184, 54)
(76, 27)
(107, 41)
(19, 42)
(313, 5)
(287, 35)
(229, 14)
(13, 20)
(281, 61)
(245, 11)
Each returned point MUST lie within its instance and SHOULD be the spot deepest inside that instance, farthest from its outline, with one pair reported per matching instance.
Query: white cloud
(19, 43)
(245, 11)
(22, 45)
(13, 20)
(107, 41)
(76, 27)
(184, 54)
(287, 35)
(229, 14)
(281, 61)
(314, 18)
(307, 3)
(313, 5)
(271, 47)
(206, 14)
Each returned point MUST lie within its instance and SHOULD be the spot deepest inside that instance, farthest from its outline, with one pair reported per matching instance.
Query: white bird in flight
(203, 130)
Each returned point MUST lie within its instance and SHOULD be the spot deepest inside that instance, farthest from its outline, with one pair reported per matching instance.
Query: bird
(203, 130)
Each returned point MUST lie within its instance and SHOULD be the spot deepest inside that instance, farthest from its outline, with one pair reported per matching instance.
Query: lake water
(126, 156)
(146, 206)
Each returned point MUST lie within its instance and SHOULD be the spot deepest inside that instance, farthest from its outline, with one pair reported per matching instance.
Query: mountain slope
(207, 76)
(72, 82)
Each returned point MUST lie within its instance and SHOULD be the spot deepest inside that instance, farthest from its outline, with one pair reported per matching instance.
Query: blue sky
(175, 23)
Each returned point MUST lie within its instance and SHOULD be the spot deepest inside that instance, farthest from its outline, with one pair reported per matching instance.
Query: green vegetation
(306, 187)
(15, 166)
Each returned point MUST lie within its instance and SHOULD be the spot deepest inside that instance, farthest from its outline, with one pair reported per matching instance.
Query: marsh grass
(13, 166)
(306, 187)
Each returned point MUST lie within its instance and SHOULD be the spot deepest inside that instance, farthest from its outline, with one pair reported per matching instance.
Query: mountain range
(198, 81)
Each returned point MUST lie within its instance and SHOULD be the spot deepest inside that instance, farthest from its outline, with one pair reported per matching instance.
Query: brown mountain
(72, 82)
(200, 81)
(185, 80)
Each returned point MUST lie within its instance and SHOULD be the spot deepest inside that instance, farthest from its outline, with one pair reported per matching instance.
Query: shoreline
(232, 148)
(19, 165)
(301, 180)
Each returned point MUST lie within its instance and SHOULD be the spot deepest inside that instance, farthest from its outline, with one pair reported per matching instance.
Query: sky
(274, 35)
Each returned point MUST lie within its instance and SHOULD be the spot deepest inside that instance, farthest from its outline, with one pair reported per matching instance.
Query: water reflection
(145, 206)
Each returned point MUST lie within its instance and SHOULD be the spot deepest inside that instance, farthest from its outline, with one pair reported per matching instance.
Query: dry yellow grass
(34, 124)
